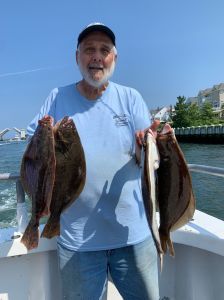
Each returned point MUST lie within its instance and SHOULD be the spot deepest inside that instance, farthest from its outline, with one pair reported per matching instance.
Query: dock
(211, 134)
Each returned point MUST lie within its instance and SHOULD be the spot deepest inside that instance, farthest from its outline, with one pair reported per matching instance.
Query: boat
(195, 273)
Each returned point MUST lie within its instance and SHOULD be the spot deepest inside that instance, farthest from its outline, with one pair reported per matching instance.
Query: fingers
(153, 128)
(155, 125)
(47, 119)
(139, 135)
(167, 129)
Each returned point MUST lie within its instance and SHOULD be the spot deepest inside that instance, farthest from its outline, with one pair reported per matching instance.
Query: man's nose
(97, 57)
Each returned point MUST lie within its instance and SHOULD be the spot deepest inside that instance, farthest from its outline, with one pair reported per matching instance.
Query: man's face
(96, 58)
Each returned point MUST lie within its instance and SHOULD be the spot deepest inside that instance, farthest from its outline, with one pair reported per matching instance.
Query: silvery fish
(175, 194)
(37, 177)
(70, 173)
(150, 164)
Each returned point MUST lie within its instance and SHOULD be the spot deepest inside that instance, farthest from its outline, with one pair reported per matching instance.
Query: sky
(165, 49)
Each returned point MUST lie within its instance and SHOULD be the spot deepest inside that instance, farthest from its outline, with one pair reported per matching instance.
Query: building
(214, 95)
(162, 114)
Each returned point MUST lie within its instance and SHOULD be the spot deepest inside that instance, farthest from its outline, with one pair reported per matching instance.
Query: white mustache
(96, 66)
(86, 73)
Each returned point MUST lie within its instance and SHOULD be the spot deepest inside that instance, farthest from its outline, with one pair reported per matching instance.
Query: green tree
(180, 118)
(194, 115)
(187, 115)
(206, 114)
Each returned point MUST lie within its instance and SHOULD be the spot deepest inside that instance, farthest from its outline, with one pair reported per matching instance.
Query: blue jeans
(133, 270)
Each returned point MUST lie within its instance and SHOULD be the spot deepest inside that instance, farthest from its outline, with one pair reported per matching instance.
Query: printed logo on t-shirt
(121, 120)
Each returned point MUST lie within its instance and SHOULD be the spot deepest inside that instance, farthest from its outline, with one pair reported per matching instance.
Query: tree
(187, 115)
(181, 118)
(206, 114)
(194, 115)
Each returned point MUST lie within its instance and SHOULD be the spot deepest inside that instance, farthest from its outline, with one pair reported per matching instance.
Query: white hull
(196, 272)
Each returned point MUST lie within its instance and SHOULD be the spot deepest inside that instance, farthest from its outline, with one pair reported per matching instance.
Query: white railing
(216, 171)
(20, 195)
(206, 169)
(5, 176)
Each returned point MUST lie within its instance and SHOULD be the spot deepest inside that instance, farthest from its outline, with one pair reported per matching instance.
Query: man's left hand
(140, 135)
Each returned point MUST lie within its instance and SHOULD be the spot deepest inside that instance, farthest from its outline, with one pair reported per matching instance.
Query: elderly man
(105, 230)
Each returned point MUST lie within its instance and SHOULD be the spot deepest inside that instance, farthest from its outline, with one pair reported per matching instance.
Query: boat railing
(21, 208)
(6, 176)
(216, 171)
(22, 214)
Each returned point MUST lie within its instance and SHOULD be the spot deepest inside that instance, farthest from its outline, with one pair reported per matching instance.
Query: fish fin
(187, 215)
(161, 261)
(30, 237)
(163, 241)
(52, 228)
(170, 246)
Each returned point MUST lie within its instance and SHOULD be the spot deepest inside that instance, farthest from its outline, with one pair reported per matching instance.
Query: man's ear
(76, 56)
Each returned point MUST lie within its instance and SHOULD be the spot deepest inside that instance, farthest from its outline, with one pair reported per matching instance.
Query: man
(105, 230)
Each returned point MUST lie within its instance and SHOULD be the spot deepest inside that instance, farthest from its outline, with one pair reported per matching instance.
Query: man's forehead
(97, 37)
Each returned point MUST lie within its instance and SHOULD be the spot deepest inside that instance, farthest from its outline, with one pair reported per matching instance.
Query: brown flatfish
(70, 173)
(151, 159)
(37, 177)
(175, 193)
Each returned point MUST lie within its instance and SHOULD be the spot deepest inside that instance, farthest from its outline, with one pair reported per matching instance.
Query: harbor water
(208, 190)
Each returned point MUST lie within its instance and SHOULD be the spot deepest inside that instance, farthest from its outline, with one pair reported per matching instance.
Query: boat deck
(196, 272)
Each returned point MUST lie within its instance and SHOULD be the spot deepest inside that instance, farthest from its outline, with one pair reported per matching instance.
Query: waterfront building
(162, 114)
(214, 95)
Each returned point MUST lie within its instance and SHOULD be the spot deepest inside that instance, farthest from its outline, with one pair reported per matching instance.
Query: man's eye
(89, 50)
(105, 52)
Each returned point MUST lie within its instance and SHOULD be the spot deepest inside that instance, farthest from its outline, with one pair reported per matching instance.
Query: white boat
(196, 272)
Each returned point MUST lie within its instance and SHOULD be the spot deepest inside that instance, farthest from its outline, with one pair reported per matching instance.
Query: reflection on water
(208, 189)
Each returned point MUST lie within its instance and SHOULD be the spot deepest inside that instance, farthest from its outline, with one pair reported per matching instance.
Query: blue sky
(165, 49)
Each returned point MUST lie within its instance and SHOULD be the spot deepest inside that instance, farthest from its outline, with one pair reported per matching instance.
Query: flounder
(37, 177)
(70, 173)
(150, 164)
(175, 194)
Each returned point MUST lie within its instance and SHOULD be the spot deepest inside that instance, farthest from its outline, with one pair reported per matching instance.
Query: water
(208, 189)
(10, 159)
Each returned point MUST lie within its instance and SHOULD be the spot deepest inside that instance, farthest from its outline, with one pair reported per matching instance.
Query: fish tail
(166, 243)
(52, 228)
(30, 237)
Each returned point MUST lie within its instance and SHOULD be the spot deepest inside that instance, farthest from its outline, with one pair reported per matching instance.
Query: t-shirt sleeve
(140, 111)
(48, 108)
